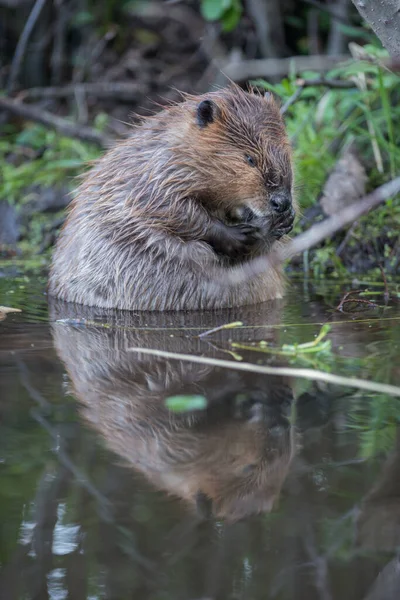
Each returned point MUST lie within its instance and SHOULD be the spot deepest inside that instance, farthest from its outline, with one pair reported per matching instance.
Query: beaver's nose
(281, 201)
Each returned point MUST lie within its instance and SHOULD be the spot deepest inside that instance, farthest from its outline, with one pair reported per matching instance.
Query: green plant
(226, 11)
(38, 156)
(323, 120)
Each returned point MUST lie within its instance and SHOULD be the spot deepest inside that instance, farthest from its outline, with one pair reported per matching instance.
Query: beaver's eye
(250, 160)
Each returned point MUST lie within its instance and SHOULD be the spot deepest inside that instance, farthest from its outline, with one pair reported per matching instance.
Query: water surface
(282, 488)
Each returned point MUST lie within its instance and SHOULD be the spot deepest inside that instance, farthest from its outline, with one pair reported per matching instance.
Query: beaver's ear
(203, 505)
(206, 113)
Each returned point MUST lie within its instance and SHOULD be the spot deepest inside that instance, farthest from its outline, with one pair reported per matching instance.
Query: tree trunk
(384, 18)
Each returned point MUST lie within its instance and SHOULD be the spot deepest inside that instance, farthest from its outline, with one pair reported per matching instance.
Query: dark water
(282, 488)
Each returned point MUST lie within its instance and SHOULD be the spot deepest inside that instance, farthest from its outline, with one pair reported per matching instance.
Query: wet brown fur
(143, 230)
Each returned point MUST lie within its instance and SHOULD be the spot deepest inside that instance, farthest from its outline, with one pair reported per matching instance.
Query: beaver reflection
(229, 460)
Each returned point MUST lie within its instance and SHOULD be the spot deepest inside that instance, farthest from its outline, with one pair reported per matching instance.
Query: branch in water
(312, 374)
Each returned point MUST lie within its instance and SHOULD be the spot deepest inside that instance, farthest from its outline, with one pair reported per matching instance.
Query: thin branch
(279, 67)
(347, 294)
(338, 84)
(104, 89)
(347, 237)
(293, 98)
(314, 375)
(63, 126)
(348, 215)
(22, 44)
(276, 68)
(220, 328)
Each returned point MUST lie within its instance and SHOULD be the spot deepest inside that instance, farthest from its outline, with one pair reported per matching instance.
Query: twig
(348, 235)
(32, 113)
(343, 300)
(314, 375)
(104, 89)
(22, 44)
(327, 228)
(338, 84)
(89, 53)
(359, 301)
(221, 328)
(293, 98)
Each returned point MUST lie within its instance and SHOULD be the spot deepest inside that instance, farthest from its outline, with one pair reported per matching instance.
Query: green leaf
(186, 403)
(212, 10)
(81, 18)
(231, 17)
(355, 32)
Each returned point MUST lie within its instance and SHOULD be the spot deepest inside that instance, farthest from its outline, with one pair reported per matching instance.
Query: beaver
(184, 212)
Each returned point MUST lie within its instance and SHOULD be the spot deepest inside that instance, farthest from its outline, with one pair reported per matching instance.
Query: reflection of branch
(55, 434)
(104, 504)
(313, 375)
(32, 113)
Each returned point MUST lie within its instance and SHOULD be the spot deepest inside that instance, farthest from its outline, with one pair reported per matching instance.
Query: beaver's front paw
(236, 241)
(283, 224)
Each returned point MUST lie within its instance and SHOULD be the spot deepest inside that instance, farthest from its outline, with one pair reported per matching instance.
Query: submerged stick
(354, 382)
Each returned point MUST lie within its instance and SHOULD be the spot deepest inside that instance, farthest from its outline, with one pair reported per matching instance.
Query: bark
(384, 18)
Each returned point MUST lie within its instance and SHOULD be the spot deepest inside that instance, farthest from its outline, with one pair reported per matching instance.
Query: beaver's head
(241, 156)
